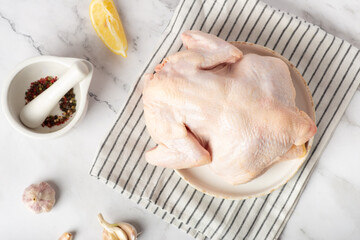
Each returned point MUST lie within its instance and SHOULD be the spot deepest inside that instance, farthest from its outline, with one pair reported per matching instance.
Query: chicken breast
(210, 104)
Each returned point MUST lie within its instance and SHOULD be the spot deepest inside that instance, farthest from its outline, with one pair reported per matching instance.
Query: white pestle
(35, 112)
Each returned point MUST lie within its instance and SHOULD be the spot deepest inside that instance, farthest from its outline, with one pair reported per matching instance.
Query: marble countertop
(328, 209)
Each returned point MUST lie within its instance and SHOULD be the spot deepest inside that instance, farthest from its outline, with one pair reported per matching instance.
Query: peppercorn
(67, 102)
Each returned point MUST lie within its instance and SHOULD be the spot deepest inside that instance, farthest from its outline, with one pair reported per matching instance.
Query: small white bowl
(14, 88)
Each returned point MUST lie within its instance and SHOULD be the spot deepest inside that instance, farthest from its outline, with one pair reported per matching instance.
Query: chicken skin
(210, 104)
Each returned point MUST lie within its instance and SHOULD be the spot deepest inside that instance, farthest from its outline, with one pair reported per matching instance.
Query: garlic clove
(66, 236)
(119, 231)
(129, 229)
(113, 229)
(39, 197)
(109, 236)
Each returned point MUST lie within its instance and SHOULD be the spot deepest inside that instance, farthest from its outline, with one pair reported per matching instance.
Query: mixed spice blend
(67, 102)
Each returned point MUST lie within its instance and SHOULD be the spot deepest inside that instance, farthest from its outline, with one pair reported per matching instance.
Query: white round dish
(203, 178)
(14, 88)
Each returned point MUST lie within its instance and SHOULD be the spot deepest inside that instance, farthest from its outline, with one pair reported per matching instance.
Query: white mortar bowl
(18, 82)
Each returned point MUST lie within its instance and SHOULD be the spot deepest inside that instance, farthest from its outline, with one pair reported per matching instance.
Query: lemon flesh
(107, 24)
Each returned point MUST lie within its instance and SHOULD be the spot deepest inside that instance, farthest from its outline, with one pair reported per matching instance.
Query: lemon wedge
(107, 24)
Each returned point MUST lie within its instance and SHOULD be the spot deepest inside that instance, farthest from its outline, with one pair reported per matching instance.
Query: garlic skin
(66, 236)
(117, 231)
(39, 197)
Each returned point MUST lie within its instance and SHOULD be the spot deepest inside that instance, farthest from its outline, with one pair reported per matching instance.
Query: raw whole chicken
(210, 104)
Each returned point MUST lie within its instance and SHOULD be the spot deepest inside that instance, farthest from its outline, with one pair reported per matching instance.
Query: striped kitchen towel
(329, 65)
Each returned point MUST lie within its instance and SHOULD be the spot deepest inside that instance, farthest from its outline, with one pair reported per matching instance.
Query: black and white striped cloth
(329, 65)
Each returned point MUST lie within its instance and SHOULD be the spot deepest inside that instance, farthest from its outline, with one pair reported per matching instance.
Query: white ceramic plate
(204, 180)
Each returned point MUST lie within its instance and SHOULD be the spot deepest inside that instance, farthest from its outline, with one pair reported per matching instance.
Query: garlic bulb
(117, 231)
(39, 197)
(66, 236)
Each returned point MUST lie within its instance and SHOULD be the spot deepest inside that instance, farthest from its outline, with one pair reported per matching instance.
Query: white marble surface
(328, 209)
